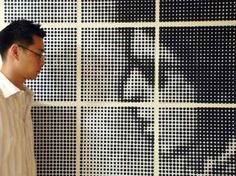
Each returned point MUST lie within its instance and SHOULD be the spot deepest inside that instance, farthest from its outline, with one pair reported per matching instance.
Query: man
(22, 52)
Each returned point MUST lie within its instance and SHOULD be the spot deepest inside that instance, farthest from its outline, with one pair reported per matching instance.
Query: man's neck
(14, 78)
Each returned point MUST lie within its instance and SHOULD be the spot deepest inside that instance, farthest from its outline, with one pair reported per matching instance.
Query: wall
(133, 87)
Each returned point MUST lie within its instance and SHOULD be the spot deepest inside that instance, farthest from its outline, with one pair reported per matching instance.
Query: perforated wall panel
(197, 64)
(57, 81)
(118, 11)
(116, 141)
(118, 64)
(43, 11)
(55, 140)
(197, 141)
(197, 10)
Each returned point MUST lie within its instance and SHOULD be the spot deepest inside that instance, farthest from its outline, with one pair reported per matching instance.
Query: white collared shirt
(16, 131)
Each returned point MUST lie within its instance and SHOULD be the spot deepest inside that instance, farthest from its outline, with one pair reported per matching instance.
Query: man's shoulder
(1, 93)
(2, 100)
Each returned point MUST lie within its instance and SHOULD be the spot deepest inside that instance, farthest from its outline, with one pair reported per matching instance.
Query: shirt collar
(7, 87)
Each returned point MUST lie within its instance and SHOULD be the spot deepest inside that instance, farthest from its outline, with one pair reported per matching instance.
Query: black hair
(20, 31)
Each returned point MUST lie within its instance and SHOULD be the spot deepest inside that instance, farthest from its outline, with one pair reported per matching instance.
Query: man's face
(31, 59)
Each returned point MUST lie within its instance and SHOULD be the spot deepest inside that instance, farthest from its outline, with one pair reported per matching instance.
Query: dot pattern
(55, 140)
(197, 64)
(197, 141)
(118, 11)
(118, 64)
(197, 10)
(58, 79)
(116, 141)
(47, 11)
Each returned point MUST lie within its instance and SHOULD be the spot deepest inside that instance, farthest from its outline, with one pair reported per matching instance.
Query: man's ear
(14, 51)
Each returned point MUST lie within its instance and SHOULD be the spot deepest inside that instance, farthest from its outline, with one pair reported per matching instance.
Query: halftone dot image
(197, 64)
(195, 10)
(55, 140)
(118, 11)
(197, 141)
(118, 64)
(47, 11)
(117, 141)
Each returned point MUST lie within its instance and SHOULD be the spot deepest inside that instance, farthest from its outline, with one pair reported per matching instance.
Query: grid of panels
(193, 141)
(116, 141)
(118, 11)
(47, 11)
(197, 10)
(118, 64)
(57, 81)
(197, 64)
(55, 140)
(197, 141)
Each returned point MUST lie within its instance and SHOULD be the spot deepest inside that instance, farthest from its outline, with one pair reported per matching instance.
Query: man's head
(22, 49)
(20, 32)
